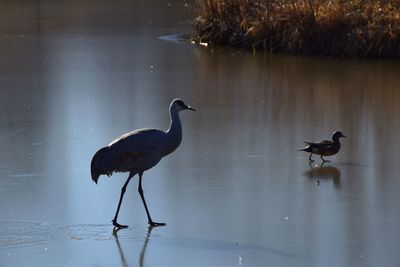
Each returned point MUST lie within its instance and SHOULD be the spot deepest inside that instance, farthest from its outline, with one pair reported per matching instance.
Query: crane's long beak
(190, 108)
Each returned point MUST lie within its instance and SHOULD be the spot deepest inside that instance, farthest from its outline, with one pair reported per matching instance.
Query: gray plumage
(137, 151)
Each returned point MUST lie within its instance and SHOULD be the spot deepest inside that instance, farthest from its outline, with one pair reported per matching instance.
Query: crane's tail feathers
(97, 167)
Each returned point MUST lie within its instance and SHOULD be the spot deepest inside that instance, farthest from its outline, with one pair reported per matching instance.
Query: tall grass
(355, 28)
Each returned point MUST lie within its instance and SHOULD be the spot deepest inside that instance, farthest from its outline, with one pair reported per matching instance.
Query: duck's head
(178, 105)
(337, 135)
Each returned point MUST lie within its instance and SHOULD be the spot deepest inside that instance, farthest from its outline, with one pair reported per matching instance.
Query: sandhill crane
(138, 151)
(324, 148)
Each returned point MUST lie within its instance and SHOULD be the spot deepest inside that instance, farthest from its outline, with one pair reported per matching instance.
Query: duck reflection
(321, 172)
(142, 252)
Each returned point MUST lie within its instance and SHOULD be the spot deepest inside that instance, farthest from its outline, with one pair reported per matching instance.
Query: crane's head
(178, 105)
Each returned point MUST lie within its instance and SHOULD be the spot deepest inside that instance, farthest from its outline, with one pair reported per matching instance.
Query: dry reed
(355, 28)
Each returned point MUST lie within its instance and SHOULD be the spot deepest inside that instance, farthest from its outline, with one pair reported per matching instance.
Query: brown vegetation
(361, 28)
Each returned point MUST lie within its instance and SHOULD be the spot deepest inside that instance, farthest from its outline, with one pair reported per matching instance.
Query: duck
(324, 148)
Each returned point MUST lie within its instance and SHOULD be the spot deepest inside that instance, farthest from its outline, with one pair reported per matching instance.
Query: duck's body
(137, 151)
(324, 148)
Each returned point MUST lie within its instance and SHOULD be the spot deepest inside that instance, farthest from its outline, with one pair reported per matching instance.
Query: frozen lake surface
(76, 74)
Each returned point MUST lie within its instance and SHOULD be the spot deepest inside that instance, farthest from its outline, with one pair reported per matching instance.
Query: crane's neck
(174, 132)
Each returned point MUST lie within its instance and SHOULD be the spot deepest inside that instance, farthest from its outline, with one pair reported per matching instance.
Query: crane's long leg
(309, 158)
(123, 189)
(140, 190)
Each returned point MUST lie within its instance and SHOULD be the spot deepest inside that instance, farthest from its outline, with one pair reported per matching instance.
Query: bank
(324, 28)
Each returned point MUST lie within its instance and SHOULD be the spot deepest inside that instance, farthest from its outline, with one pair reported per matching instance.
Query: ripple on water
(176, 38)
(16, 233)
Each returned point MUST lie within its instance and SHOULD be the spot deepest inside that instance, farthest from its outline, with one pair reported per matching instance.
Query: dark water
(76, 74)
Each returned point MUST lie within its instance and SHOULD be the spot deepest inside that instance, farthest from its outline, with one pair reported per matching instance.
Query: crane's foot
(118, 226)
(156, 224)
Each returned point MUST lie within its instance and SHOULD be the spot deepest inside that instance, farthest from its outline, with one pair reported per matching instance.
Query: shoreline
(362, 29)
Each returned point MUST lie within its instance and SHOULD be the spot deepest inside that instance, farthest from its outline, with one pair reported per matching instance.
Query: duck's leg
(140, 190)
(309, 158)
(123, 189)
(324, 160)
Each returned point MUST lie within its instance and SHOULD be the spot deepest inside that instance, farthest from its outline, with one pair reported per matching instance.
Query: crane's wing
(134, 150)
